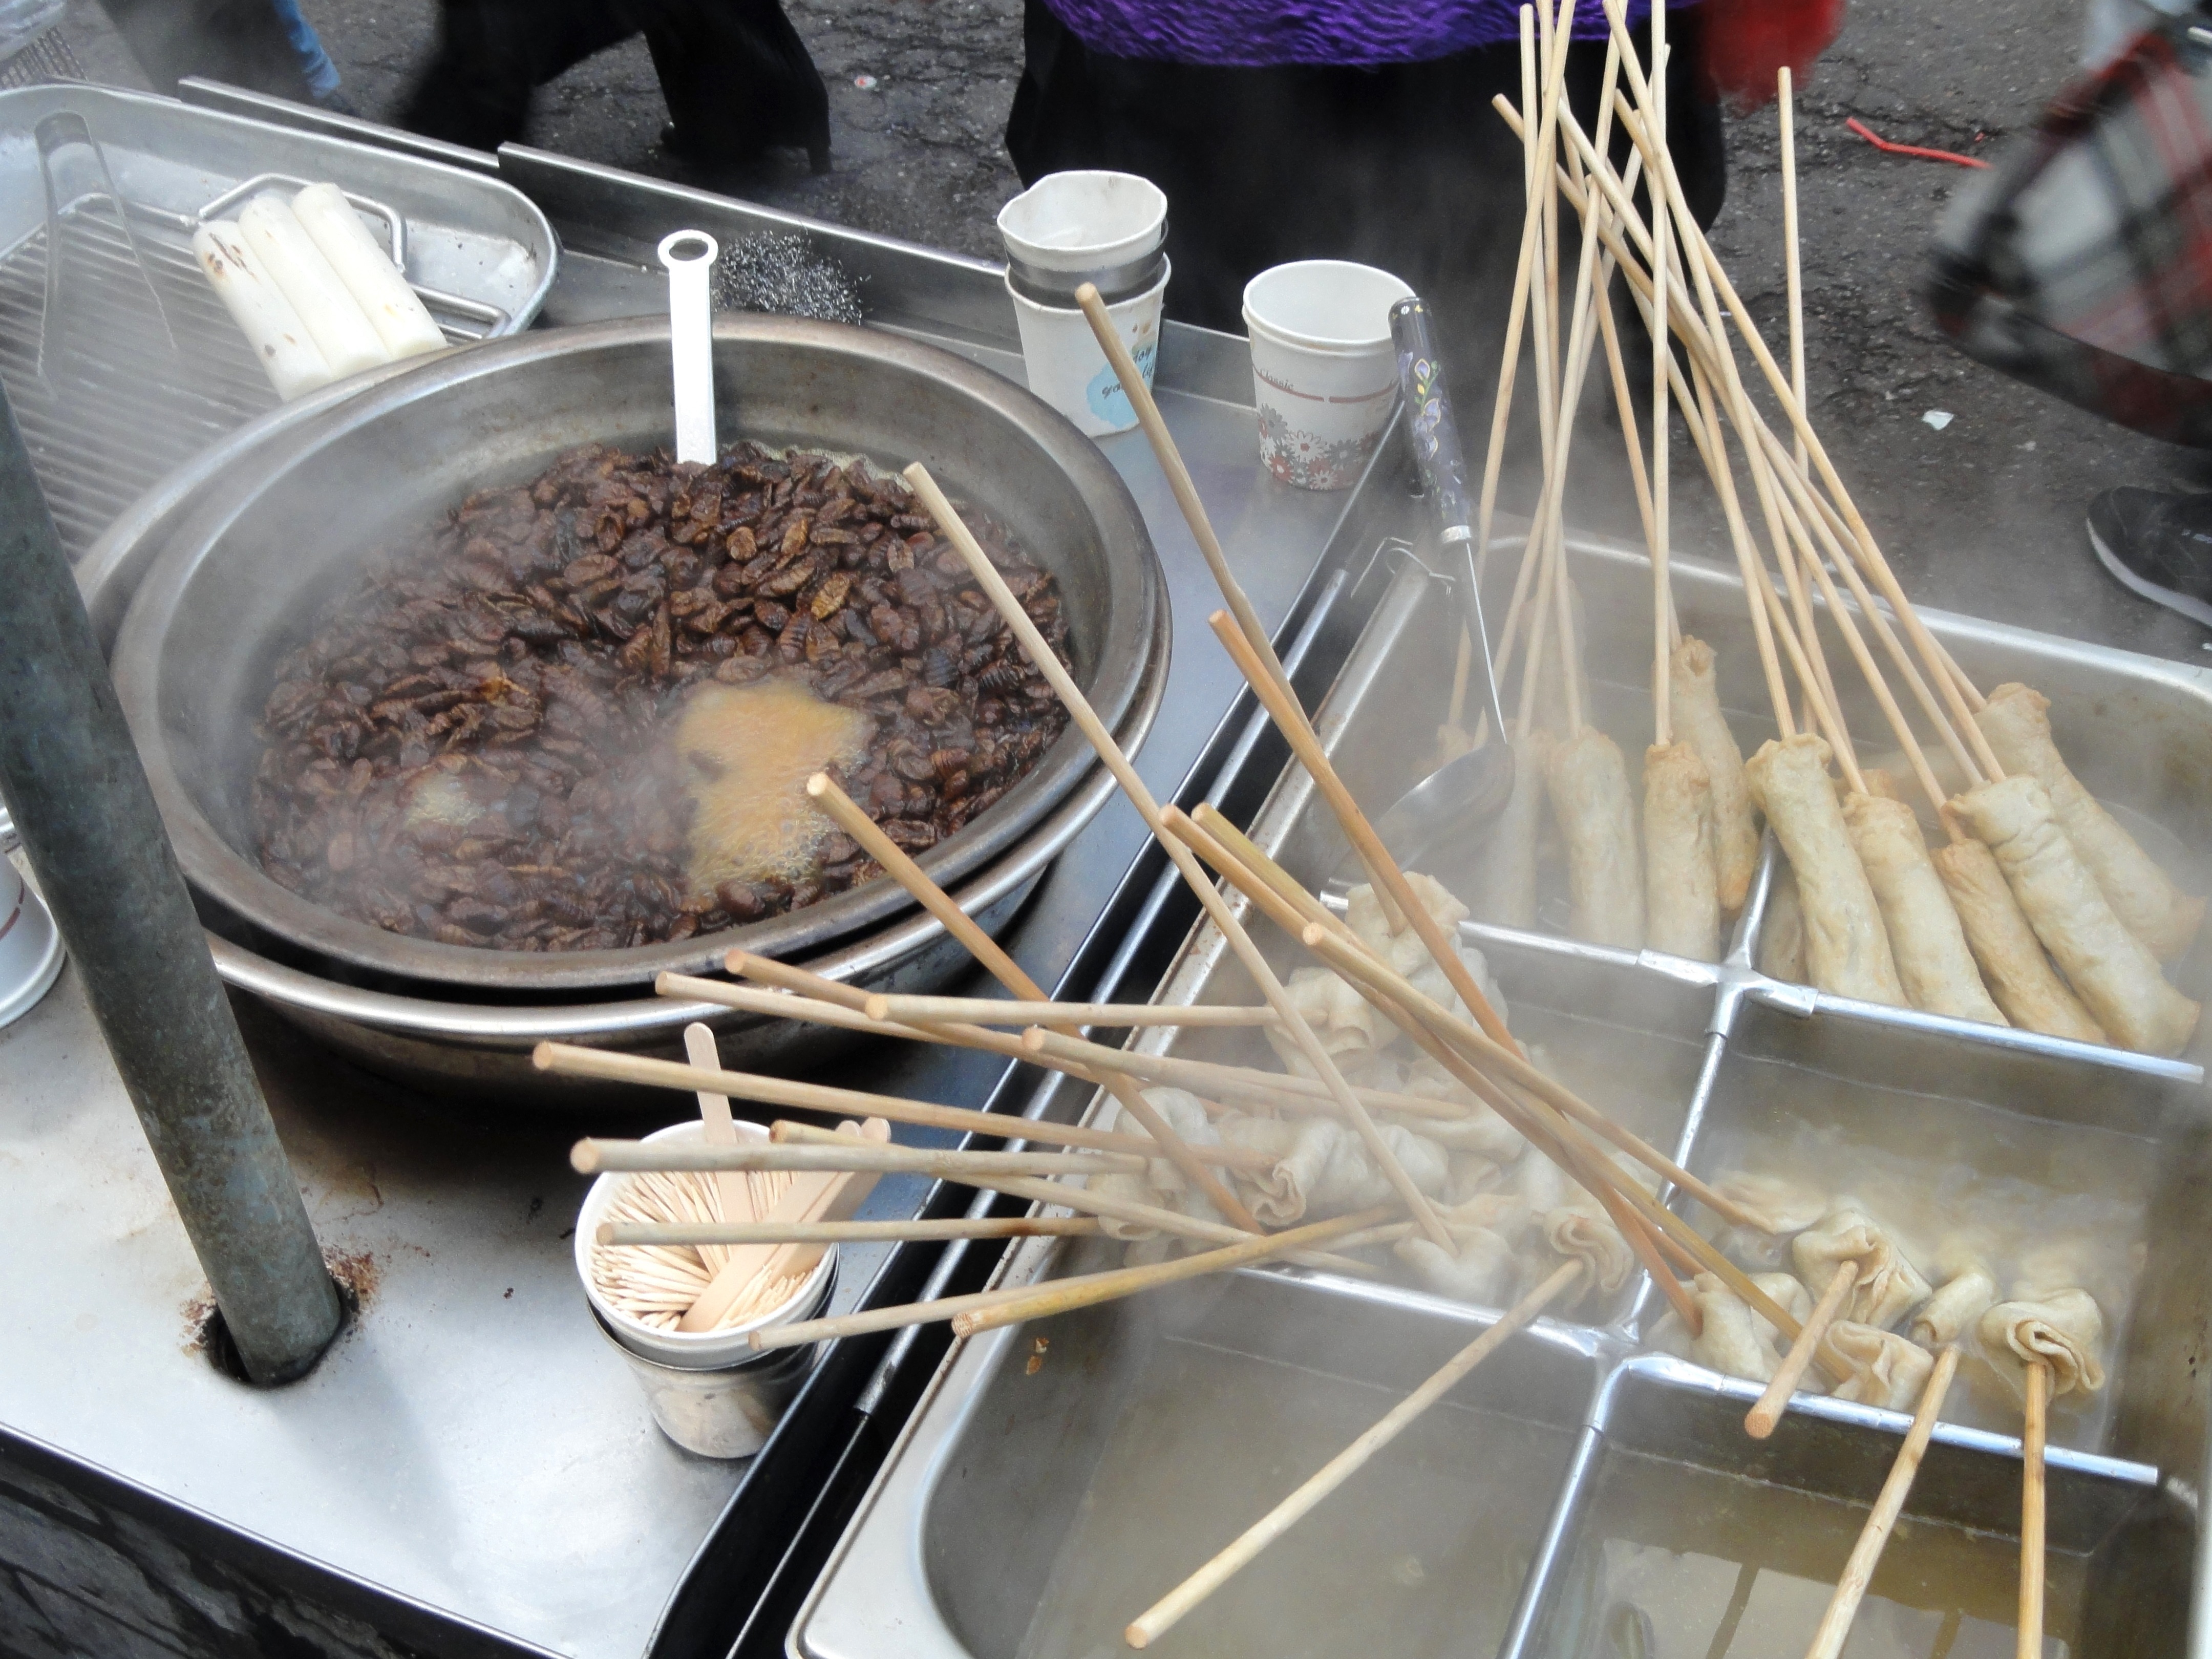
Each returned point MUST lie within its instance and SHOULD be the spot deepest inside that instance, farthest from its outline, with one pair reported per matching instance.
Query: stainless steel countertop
(471, 1443)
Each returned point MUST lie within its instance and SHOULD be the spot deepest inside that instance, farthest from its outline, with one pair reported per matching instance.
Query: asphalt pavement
(1981, 512)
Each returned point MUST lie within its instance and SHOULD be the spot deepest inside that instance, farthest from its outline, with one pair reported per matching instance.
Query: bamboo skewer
(1261, 879)
(1079, 1056)
(1539, 147)
(1105, 1286)
(1826, 523)
(642, 1233)
(1835, 1627)
(1076, 1057)
(1033, 643)
(1805, 651)
(1662, 347)
(1170, 456)
(1291, 721)
(1109, 1206)
(1793, 277)
(592, 1156)
(1794, 486)
(2031, 1511)
(787, 977)
(1210, 821)
(985, 1011)
(1357, 967)
(1179, 480)
(1711, 273)
(799, 1005)
(568, 1061)
(1395, 995)
(1868, 668)
(1156, 1620)
(847, 815)
(1517, 318)
(1065, 1295)
(1550, 1137)
(1550, 508)
(1831, 530)
(1759, 1422)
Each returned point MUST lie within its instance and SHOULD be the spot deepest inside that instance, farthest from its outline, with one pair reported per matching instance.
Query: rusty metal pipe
(71, 778)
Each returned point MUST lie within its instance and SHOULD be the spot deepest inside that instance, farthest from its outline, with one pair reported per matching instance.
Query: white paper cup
(690, 1350)
(30, 947)
(1067, 367)
(1072, 228)
(1323, 371)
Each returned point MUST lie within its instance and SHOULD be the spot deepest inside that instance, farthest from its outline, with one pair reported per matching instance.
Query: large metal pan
(283, 530)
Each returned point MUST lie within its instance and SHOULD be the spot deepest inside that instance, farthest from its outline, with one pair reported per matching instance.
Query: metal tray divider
(1555, 1557)
(1733, 981)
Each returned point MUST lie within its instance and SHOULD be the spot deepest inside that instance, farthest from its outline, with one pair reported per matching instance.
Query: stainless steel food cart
(470, 1471)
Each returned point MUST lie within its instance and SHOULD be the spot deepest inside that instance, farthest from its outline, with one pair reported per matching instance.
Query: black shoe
(2158, 545)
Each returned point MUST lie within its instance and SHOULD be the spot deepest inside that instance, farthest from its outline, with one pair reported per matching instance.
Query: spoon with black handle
(1458, 798)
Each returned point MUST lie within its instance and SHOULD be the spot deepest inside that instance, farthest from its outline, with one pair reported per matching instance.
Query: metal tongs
(75, 173)
(1462, 795)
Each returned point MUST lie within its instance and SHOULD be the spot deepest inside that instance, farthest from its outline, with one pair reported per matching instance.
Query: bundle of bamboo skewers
(2038, 909)
(1413, 977)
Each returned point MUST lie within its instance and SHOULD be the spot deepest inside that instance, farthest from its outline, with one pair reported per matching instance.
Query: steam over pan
(265, 547)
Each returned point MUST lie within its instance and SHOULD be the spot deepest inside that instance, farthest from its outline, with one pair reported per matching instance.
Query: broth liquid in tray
(1682, 1562)
(1422, 1554)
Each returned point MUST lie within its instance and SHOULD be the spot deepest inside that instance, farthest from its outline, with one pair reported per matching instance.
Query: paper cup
(1066, 366)
(1323, 370)
(30, 947)
(1069, 228)
(692, 1351)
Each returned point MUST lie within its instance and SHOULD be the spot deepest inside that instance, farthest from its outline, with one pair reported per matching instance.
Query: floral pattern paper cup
(1324, 373)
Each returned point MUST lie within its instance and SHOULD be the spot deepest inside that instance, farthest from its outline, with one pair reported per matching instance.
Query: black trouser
(1406, 167)
(735, 74)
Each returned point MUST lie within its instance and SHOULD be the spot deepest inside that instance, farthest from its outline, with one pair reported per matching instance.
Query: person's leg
(239, 42)
(1226, 145)
(737, 80)
(493, 54)
(1406, 167)
(322, 75)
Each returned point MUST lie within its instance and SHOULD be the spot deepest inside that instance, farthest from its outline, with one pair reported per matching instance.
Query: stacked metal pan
(1581, 1494)
(223, 568)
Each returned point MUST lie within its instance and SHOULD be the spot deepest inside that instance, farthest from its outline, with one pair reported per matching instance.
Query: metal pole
(71, 777)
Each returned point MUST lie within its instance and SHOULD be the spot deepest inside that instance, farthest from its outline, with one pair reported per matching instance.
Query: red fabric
(1746, 41)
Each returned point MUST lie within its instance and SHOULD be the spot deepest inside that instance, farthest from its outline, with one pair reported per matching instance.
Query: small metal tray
(160, 372)
(1046, 1493)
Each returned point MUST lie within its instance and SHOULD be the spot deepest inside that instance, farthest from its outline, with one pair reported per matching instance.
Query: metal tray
(483, 255)
(1043, 1496)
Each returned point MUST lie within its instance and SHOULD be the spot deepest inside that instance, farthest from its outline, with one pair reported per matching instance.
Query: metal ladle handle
(1434, 437)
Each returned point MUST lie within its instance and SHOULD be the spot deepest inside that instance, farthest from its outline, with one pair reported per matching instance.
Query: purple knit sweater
(1247, 33)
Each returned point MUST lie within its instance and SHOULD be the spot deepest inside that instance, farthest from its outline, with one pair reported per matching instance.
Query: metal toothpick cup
(710, 1391)
(31, 952)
